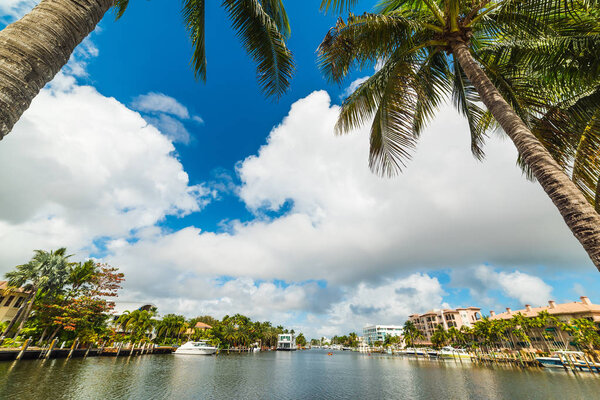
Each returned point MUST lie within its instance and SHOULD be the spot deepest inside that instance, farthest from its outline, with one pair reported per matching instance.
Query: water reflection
(298, 375)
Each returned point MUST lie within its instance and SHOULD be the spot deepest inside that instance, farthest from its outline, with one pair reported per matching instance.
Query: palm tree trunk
(578, 214)
(27, 310)
(18, 315)
(35, 48)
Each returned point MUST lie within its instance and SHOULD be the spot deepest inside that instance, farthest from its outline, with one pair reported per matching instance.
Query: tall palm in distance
(35, 48)
(433, 48)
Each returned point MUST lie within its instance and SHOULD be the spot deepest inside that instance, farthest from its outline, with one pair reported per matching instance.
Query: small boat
(565, 359)
(197, 348)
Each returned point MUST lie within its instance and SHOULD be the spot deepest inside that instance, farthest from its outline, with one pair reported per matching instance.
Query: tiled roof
(576, 307)
(202, 325)
(4, 286)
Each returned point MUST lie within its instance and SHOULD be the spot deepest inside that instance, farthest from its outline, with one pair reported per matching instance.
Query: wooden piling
(73, 347)
(23, 348)
(50, 348)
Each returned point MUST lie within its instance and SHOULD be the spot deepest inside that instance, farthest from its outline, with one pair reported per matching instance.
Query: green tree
(301, 340)
(411, 334)
(46, 271)
(137, 323)
(440, 337)
(261, 25)
(432, 48)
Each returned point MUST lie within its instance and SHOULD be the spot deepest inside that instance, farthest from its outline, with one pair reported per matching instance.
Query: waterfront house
(448, 318)
(10, 301)
(564, 312)
(286, 341)
(374, 333)
(200, 326)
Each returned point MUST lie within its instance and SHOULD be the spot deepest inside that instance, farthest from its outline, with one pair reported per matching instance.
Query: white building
(286, 341)
(373, 333)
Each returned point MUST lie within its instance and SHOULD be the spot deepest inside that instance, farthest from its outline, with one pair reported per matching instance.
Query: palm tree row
(237, 331)
(542, 332)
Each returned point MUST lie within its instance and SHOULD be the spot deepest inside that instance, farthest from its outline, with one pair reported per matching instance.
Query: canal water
(310, 374)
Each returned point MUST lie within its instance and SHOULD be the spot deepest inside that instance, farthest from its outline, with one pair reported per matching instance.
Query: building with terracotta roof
(564, 312)
(202, 326)
(448, 318)
(10, 301)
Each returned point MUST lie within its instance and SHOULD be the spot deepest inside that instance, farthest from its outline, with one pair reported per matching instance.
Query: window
(18, 302)
(10, 299)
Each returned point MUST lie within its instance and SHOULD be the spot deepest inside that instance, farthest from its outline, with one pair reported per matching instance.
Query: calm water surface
(307, 374)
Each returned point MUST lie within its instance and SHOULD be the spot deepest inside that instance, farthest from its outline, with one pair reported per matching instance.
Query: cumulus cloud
(11, 10)
(355, 230)
(80, 167)
(167, 114)
(158, 102)
(345, 225)
(484, 279)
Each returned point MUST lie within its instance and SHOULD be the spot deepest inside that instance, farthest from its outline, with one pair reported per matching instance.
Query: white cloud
(167, 114)
(80, 166)
(11, 10)
(388, 303)
(353, 229)
(483, 280)
(353, 86)
(329, 310)
(158, 102)
(346, 224)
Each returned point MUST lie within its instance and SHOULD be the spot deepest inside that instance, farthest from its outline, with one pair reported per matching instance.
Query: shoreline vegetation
(67, 310)
(66, 303)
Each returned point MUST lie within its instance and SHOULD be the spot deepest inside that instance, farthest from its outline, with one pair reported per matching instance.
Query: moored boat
(451, 352)
(196, 348)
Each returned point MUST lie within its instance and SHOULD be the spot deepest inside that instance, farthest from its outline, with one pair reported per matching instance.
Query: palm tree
(138, 323)
(46, 271)
(35, 48)
(440, 337)
(411, 334)
(432, 48)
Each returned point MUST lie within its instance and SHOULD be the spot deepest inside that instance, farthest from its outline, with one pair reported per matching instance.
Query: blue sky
(213, 199)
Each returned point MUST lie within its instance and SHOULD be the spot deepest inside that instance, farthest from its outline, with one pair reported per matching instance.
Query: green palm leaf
(263, 41)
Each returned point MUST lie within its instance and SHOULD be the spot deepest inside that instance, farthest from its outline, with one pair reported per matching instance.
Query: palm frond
(193, 16)
(276, 10)
(120, 7)
(361, 41)
(337, 5)
(465, 99)
(390, 98)
(264, 42)
(572, 136)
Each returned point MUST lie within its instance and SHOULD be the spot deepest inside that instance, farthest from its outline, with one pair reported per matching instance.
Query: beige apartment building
(448, 318)
(10, 301)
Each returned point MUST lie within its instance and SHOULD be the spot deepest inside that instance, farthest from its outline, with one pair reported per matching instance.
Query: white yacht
(451, 352)
(198, 348)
